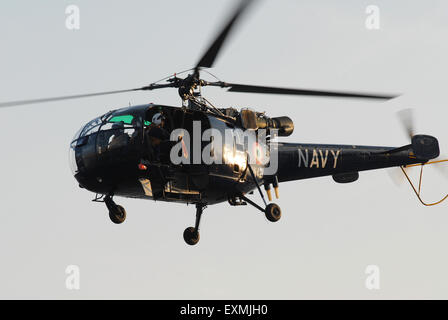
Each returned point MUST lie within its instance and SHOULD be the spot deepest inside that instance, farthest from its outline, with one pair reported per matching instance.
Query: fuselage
(105, 167)
(108, 157)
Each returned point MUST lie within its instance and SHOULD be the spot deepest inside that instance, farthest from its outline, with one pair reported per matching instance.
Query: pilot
(154, 137)
(120, 138)
(158, 120)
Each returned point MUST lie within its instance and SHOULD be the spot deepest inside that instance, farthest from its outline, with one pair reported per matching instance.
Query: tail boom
(302, 161)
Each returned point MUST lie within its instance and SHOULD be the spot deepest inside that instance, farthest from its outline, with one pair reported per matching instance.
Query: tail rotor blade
(406, 117)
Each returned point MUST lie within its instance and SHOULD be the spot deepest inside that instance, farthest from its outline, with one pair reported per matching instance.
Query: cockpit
(115, 134)
(113, 152)
(119, 136)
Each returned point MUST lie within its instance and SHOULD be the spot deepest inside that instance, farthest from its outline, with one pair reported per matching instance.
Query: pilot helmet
(157, 118)
(118, 126)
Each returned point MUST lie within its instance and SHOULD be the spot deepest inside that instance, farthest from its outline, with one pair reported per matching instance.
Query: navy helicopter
(128, 152)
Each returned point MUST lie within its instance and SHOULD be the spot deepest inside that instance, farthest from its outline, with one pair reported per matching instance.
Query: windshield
(125, 120)
(112, 138)
(90, 127)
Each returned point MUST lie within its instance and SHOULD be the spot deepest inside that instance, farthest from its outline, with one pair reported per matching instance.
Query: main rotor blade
(233, 87)
(210, 55)
(78, 96)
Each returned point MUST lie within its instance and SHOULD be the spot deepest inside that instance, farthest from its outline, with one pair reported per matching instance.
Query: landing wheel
(117, 214)
(273, 212)
(191, 236)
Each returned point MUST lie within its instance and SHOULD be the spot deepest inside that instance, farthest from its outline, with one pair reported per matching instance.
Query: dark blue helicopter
(146, 151)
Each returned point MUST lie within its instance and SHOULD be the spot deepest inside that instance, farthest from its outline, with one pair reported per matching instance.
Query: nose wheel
(117, 213)
(191, 234)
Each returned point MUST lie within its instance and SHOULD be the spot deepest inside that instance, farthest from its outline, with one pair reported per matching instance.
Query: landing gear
(117, 213)
(191, 234)
(273, 212)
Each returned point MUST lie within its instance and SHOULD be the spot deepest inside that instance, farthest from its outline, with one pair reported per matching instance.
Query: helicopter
(145, 151)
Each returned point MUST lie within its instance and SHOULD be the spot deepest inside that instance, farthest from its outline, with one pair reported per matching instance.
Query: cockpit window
(120, 134)
(91, 127)
(126, 119)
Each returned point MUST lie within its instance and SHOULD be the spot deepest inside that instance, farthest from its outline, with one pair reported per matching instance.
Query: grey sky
(328, 233)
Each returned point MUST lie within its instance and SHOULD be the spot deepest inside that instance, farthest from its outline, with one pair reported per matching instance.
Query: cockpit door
(120, 138)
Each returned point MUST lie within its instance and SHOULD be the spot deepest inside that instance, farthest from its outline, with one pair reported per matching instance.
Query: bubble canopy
(97, 136)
